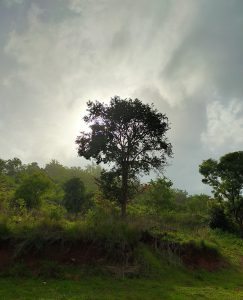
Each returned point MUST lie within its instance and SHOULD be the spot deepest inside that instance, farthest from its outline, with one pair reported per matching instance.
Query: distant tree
(87, 176)
(226, 178)
(93, 170)
(14, 166)
(31, 189)
(2, 166)
(75, 196)
(56, 171)
(7, 186)
(198, 203)
(161, 194)
(128, 135)
(11, 167)
(60, 174)
(32, 168)
(179, 198)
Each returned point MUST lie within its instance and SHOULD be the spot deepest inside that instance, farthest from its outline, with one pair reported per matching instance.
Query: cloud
(212, 50)
(10, 3)
(57, 55)
(224, 126)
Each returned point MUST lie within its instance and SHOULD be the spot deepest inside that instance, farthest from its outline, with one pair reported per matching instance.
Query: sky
(186, 57)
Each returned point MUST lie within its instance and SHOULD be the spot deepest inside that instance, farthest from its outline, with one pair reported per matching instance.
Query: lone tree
(226, 178)
(128, 135)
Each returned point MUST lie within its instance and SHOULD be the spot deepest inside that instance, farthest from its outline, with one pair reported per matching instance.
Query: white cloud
(224, 126)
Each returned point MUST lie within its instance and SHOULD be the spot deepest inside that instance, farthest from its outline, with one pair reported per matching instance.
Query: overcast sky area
(184, 56)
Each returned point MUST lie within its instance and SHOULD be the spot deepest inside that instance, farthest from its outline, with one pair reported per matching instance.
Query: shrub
(218, 219)
(54, 212)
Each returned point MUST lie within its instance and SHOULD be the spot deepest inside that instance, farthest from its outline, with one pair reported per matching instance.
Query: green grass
(161, 278)
(164, 281)
(177, 285)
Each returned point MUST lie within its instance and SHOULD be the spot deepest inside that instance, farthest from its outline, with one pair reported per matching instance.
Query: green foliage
(112, 231)
(23, 186)
(13, 167)
(198, 204)
(180, 199)
(57, 172)
(31, 168)
(2, 165)
(219, 219)
(54, 211)
(75, 196)
(60, 174)
(226, 179)
(156, 196)
(110, 184)
(32, 189)
(7, 186)
(160, 194)
(17, 206)
(184, 243)
(182, 220)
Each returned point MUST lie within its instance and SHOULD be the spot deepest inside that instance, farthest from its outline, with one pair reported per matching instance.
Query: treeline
(30, 187)
(63, 192)
(57, 192)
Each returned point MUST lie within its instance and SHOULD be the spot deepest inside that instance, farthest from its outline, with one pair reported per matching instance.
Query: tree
(198, 203)
(75, 196)
(7, 186)
(13, 167)
(226, 178)
(128, 135)
(32, 189)
(157, 195)
(32, 168)
(2, 165)
(56, 171)
(110, 184)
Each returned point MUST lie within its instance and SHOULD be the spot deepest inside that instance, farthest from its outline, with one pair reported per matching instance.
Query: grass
(178, 285)
(162, 277)
(171, 282)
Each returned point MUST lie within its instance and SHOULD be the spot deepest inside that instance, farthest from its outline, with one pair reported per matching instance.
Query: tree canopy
(226, 178)
(128, 135)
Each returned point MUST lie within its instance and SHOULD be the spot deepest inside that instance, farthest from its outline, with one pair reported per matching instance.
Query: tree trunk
(124, 196)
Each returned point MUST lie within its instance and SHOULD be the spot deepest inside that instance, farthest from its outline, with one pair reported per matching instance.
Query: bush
(218, 219)
(54, 212)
